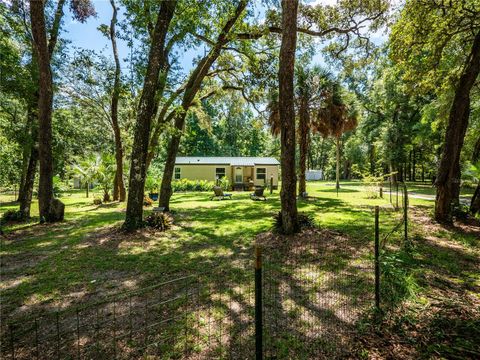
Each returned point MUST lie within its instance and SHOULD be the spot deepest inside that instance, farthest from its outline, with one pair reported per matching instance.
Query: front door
(238, 175)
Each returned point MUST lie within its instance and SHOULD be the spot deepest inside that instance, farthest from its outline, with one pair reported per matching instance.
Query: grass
(46, 266)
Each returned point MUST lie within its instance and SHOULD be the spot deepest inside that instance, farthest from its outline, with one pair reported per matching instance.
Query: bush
(59, 186)
(224, 183)
(469, 184)
(398, 282)
(97, 201)
(305, 221)
(159, 220)
(192, 185)
(11, 215)
(372, 184)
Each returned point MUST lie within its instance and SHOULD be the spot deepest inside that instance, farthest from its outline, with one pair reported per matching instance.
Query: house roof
(233, 161)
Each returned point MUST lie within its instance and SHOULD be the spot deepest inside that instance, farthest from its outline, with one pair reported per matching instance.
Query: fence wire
(205, 316)
(314, 295)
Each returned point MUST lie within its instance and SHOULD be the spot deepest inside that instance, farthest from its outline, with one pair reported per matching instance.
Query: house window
(177, 173)
(261, 174)
(219, 173)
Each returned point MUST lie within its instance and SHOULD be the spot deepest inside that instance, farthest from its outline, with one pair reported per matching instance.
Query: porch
(243, 177)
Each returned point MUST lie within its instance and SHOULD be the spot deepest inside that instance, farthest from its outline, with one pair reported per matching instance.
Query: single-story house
(241, 172)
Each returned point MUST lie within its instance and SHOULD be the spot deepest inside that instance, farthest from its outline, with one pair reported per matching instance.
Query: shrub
(192, 185)
(12, 215)
(159, 220)
(372, 184)
(59, 186)
(97, 201)
(224, 183)
(469, 184)
(305, 221)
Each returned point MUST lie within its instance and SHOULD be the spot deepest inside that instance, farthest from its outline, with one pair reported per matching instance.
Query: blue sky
(88, 37)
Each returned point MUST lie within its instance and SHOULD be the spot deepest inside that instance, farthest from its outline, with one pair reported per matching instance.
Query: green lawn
(86, 255)
(49, 261)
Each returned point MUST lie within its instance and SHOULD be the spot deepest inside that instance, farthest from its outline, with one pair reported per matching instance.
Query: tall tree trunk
(414, 165)
(321, 157)
(475, 203)
(119, 192)
(304, 121)
(337, 172)
(26, 199)
(372, 159)
(191, 89)
(29, 142)
(287, 115)
(166, 190)
(50, 210)
(448, 179)
(157, 60)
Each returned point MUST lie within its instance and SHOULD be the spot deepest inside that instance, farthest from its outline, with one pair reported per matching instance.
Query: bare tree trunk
(287, 115)
(475, 203)
(320, 158)
(166, 190)
(51, 210)
(119, 192)
(29, 142)
(191, 89)
(337, 173)
(448, 179)
(303, 139)
(157, 61)
(26, 199)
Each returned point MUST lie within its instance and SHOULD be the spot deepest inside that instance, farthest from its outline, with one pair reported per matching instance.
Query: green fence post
(258, 305)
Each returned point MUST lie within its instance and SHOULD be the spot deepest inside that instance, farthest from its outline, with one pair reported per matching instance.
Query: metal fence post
(396, 207)
(258, 305)
(377, 260)
(405, 212)
(271, 184)
(381, 191)
(390, 192)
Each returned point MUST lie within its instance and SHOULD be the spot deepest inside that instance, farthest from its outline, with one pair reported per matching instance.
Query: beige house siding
(207, 172)
(269, 170)
(202, 172)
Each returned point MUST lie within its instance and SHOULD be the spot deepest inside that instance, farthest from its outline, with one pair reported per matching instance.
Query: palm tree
(310, 85)
(87, 170)
(335, 118)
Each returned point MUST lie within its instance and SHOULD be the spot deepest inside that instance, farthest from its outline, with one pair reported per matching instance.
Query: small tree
(87, 170)
(335, 118)
(105, 174)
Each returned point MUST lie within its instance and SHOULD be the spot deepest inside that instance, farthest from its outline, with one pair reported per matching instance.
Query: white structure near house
(240, 171)
(314, 175)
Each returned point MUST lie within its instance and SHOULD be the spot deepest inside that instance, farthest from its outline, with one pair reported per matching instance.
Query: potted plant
(152, 187)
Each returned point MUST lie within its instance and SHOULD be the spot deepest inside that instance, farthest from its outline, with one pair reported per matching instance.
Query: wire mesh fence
(314, 293)
(208, 315)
